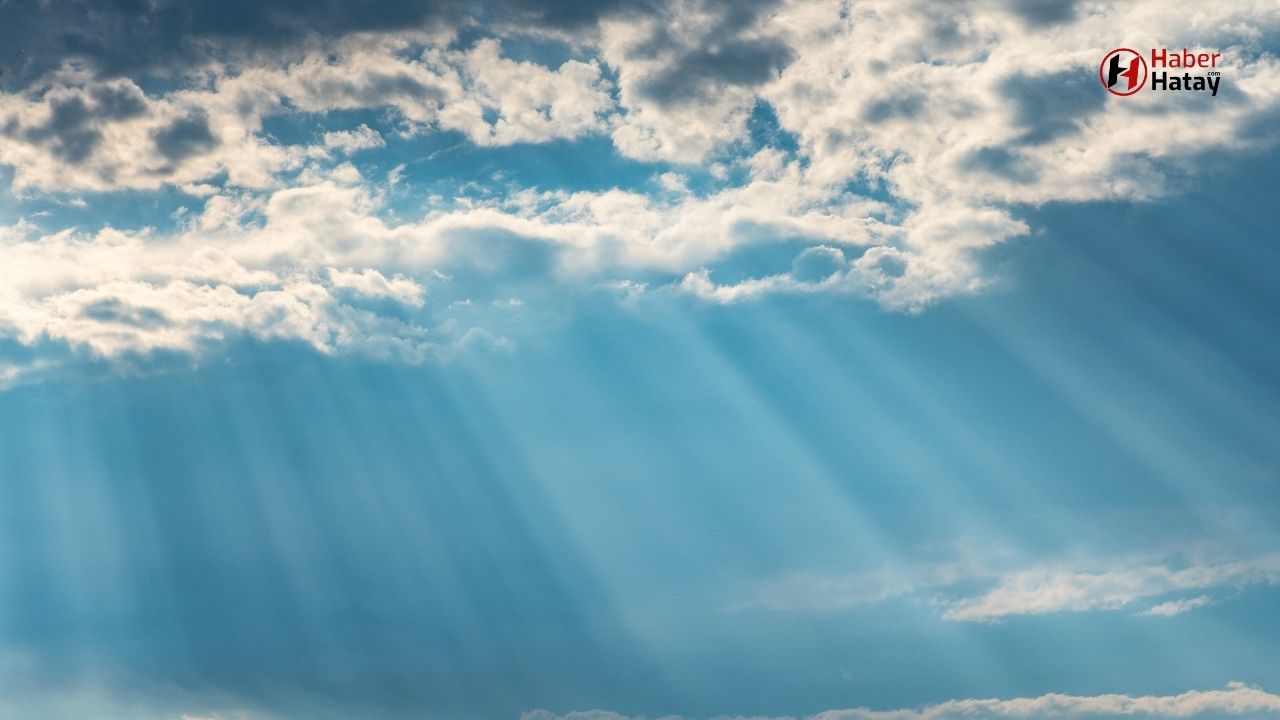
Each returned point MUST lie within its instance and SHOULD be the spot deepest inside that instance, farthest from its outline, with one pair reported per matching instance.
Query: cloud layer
(1048, 589)
(1041, 589)
(884, 146)
(1237, 699)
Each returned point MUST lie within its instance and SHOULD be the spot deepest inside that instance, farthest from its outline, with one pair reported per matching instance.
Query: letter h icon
(1114, 73)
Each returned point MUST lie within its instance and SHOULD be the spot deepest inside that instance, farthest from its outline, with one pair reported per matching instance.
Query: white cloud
(489, 98)
(531, 103)
(291, 263)
(959, 114)
(1235, 699)
(349, 141)
(926, 92)
(371, 283)
(1036, 590)
(653, 59)
(1177, 607)
(1051, 589)
(73, 132)
(118, 293)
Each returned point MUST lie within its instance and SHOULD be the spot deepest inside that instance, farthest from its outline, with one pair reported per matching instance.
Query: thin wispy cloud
(1043, 590)
(1177, 607)
(1039, 590)
(1237, 699)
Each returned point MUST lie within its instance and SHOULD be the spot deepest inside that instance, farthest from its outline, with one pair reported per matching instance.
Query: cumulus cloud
(688, 86)
(293, 263)
(961, 113)
(349, 141)
(965, 104)
(960, 106)
(802, 112)
(116, 293)
(73, 131)
(1235, 699)
(127, 38)
(131, 38)
(371, 283)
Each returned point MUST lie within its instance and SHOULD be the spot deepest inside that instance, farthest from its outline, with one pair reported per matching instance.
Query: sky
(623, 359)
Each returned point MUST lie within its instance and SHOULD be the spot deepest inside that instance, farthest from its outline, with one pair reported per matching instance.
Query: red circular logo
(1123, 71)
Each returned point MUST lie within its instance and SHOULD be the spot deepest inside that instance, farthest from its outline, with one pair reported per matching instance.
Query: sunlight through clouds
(433, 359)
(950, 171)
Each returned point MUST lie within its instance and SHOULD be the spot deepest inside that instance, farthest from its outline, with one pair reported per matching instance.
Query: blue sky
(618, 360)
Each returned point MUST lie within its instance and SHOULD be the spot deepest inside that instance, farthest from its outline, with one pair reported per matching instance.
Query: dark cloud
(72, 130)
(1042, 13)
(1000, 162)
(725, 55)
(119, 103)
(945, 32)
(904, 105)
(376, 88)
(572, 15)
(69, 132)
(737, 62)
(1051, 106)
(115, 310)
(123, 37)
(185, 137)
(134, 37)
(139, 38)
(73, 127)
